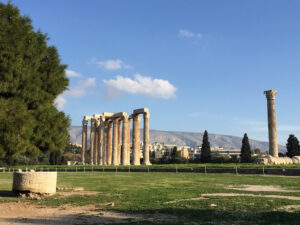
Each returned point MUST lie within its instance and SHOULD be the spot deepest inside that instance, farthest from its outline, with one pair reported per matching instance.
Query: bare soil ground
(20, 213)
(251, 195)
(259, 188)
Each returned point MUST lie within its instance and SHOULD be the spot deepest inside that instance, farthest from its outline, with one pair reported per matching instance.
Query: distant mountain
(185, 139)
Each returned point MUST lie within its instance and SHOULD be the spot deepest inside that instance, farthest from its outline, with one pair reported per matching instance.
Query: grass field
(180, 198)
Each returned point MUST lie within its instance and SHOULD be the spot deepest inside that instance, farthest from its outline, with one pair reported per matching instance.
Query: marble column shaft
(109, 144)
(105, 141)
(92, 141)
(96, 143)
(101, 141)
(125, 141)
(84, 140)
(273, 146)
(136, 140)
(115, 142)
(146, 155)
(119, 141)
(128, 142)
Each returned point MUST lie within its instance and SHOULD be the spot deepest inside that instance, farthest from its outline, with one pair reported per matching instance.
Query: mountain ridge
(181, 138)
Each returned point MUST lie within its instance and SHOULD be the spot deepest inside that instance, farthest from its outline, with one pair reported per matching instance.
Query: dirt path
(251, 195)
(259, 188)
(20, 213)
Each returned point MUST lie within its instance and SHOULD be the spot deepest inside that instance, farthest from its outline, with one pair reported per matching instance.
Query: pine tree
(246, 150)
(31, 77)
(292, 146)
(205, 150)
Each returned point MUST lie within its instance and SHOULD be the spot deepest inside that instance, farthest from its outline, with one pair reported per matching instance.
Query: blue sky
(195, 64)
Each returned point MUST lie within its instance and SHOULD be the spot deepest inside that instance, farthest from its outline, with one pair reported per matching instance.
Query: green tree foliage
(205, 150)
(292, 146)
(31, 77)
(245, 150)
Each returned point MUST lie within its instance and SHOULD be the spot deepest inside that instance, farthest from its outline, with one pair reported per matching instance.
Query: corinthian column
(146, 139)
(125, 141)
(101, 141)
(128, 142)
(273, 146)
(119, 141)
(136, 139)
(84, 140)
(92, 140)
(115, 142)
(105, 142)
(109, 143)
(97, 123)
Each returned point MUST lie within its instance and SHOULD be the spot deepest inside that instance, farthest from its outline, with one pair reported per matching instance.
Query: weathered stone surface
(115, 142)
(146, 139)
(35, 182)
(136, 140)
(273, 146)
(84, 140)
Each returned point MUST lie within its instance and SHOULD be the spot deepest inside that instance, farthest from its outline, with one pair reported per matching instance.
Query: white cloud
(81, 88)
(112, 64)
(60, 102)
(188, 34)
(71, 73)
(139, 85)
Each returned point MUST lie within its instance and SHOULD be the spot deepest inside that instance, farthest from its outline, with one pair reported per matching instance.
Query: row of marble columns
(110, 138)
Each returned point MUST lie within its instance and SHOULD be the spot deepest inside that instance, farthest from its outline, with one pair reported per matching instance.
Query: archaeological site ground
(156, 198)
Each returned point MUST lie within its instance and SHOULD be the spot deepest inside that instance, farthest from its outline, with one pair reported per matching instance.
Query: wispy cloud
(71, 73)
(111, 64)
(141, 85)
(79, 90)
(183, 33)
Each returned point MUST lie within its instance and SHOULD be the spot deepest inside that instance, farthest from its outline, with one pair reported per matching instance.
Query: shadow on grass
(177, 217)
(8, 194)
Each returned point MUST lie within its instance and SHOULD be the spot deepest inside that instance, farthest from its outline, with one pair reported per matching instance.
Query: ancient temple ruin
(110, 138)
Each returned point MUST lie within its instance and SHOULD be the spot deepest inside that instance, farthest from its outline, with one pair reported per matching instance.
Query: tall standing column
(125, 141)
(105, 142)
(101, 141)
(136, 139)
(96, 142)
(115, 142)
(128, 142)
(109, 143)
(119, 141)
(92, 140)
(146, 139)
(84, 140)
(273, 146)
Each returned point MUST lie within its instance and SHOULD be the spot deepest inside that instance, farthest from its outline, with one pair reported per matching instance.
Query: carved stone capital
(270, 94)
(85, 122)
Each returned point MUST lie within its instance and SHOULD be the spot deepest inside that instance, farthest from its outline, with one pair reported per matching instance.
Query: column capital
(87, 117)
(270, 94)
(85, 122)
